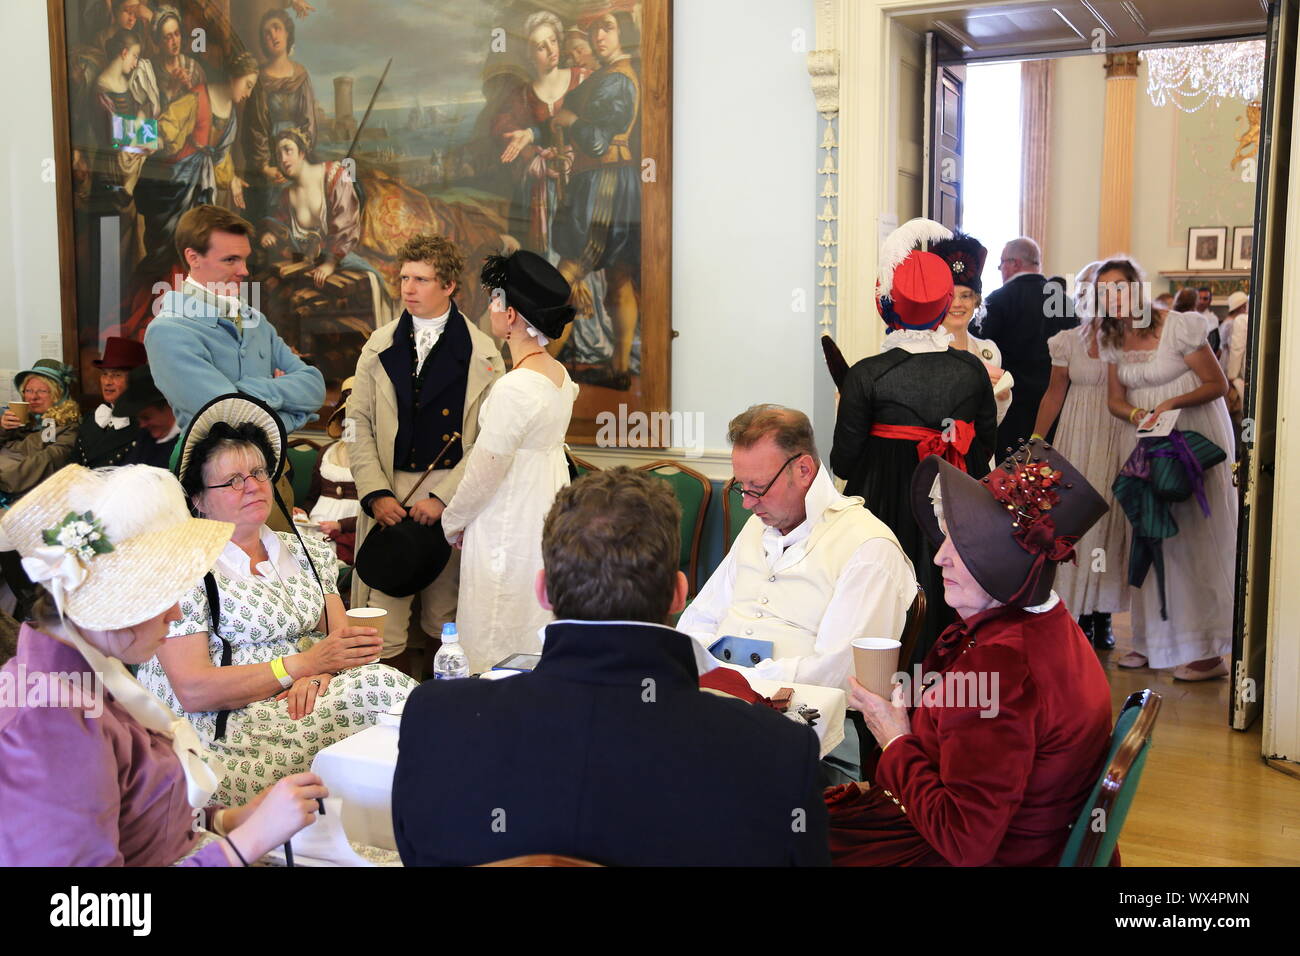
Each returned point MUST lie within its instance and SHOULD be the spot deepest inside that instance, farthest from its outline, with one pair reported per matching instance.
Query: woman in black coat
(916, 398)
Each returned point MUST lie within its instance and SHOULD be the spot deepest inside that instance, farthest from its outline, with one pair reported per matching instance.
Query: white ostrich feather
(900, 243)
(131, 500)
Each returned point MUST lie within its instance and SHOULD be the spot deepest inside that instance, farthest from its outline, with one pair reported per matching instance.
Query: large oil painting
(340, 129)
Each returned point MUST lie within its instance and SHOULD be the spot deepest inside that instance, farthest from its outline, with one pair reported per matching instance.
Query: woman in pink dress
(94, 770)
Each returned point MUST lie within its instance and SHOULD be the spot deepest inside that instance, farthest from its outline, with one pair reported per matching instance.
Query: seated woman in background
(102, 774)
(283, 676)
(998, 779)
(34, 444)
(33, 449)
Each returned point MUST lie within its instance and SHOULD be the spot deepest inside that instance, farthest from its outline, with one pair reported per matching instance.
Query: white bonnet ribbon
(200, 780)
(58, 568)
(542, 340)
(149, 712)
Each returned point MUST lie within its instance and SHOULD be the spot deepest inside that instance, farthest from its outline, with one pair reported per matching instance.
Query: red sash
(930, 441)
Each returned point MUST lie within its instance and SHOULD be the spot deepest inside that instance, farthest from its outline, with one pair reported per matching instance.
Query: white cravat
(105, 418)
(427, 333)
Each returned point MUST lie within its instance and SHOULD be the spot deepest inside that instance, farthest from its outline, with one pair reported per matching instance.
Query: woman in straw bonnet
(93, 769)
(262, 659)
(991, 762)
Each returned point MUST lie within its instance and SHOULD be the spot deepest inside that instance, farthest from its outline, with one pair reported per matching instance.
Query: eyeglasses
(743, 493)
(240, 482)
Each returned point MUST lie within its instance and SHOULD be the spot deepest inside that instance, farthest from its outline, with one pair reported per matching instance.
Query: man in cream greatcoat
(419, 380)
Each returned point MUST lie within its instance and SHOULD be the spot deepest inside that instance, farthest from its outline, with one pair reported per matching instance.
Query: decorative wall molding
(824, 67)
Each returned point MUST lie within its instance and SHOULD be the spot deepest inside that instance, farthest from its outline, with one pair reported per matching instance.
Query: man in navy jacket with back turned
(608, 751)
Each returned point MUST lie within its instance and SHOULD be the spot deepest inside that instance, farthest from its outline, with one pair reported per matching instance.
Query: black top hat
(141, 392)
(965, 257)
(1013, 527)
(532, 287)
(402, 559)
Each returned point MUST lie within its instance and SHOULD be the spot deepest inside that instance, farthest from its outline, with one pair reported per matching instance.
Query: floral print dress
(265, 617)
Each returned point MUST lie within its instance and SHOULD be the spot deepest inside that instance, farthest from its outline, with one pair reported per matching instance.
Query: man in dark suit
(1021, 316)
(148, 409)
(108, 436)
(608, 751)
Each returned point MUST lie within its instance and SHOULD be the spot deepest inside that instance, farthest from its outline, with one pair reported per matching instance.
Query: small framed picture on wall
(1207, 247)
(1243, 246)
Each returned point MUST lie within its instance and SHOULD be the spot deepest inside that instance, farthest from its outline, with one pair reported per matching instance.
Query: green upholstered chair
(734, 514)
(693, 492)
(1096, 832)
(301, 454)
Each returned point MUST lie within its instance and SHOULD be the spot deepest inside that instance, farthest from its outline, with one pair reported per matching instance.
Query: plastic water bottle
(450, 662)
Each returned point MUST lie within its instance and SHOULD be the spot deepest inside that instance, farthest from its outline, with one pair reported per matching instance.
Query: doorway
(972, 58)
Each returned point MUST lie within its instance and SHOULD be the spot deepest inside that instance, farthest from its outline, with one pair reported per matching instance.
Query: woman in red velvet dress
(991, 763)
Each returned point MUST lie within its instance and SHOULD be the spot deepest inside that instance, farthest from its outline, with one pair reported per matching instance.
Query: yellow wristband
(282, 675)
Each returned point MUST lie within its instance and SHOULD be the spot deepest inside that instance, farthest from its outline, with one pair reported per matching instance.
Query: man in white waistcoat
(811, 571)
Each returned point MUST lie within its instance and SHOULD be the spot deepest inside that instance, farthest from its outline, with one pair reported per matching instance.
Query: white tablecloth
(359, 769)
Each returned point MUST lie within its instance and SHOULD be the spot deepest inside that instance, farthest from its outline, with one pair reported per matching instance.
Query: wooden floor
(1206, 797)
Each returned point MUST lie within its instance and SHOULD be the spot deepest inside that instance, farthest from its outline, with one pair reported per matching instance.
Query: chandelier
(1192, 76)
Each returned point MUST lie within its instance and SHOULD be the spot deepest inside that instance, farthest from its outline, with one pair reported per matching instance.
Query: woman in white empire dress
(1095, 586)
(1154, 367)
(516, 467)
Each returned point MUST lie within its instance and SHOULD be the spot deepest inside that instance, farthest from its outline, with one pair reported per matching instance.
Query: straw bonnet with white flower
(114, 547)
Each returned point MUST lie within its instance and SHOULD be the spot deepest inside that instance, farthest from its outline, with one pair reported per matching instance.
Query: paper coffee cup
(875, 662)
(368, 617)
(21, 411)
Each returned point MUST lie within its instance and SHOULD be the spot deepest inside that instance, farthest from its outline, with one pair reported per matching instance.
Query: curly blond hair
(438, 251)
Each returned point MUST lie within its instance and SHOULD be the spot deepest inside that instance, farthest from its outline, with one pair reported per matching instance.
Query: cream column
(1115, 228)
(824, 68)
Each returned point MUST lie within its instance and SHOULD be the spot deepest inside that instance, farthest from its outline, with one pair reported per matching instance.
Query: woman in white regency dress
(1151, 370)
(1095, 586)
(516, 467)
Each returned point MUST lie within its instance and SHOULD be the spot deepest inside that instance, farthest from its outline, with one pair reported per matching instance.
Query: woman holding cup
(103, 775)
(278, 672)
(988, 758)
(39, 433)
